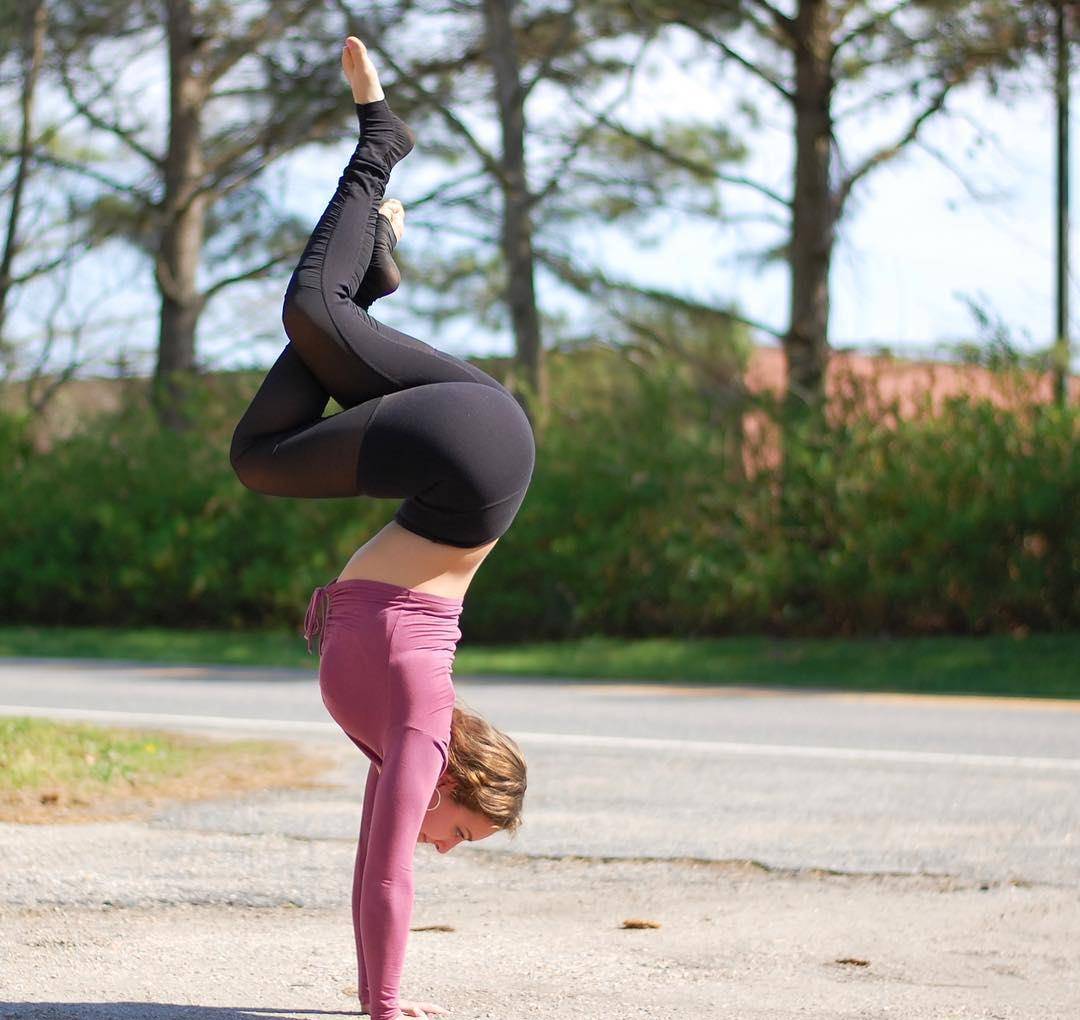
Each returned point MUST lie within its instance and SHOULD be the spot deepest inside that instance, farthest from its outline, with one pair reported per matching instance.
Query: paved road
(953, 826)
(976, 788)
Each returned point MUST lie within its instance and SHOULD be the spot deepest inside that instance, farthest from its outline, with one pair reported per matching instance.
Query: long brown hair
(489, 768)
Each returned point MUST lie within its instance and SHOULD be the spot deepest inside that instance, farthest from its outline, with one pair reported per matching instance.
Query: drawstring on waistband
(315, 620)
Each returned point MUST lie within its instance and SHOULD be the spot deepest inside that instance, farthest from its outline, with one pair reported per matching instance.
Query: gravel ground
(538, 938)
(121, 920)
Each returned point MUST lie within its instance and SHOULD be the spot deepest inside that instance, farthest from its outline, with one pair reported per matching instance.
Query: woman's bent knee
(302, 311)
(243, 463)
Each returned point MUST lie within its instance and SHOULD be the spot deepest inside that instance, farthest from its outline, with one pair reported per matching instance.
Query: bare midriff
(399, 556)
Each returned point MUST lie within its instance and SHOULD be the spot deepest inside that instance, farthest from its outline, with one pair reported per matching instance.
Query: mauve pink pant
(386, 654)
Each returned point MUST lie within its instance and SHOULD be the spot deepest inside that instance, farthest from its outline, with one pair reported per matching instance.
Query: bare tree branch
(758, 72)
(440, 228)
(490, 162)
(36, 400)
(867, 25)
(260, 30)
(780, 35)
(124, 134)
(254, 273)
(32, 55)
(782, 21)
(874, 100)
(982, 197)
(774, 221)
(224, 178)
(591, 128)
(542, 69)
(888, 152)
(702, 169)
(39, 270)
(441, 189)
(843, 10)
(48, 159)
(757, 186)
(586, 281)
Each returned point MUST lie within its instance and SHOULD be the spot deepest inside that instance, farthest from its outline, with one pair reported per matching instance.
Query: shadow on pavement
(152, 1011)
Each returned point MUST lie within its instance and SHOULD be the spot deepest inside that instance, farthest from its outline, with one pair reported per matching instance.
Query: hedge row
(641, 520)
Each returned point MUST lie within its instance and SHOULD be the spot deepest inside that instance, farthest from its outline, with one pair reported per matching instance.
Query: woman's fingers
(422, 1009)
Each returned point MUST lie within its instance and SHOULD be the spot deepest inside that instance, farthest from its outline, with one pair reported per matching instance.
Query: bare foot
(358, 68)
(394, 211)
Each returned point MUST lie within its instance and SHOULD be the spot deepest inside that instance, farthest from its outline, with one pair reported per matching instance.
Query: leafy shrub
(643, 518)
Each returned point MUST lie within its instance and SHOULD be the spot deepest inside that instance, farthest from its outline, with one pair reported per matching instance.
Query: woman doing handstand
(455, 446)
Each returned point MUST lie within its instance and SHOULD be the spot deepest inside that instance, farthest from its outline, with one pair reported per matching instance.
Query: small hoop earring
(438, 793)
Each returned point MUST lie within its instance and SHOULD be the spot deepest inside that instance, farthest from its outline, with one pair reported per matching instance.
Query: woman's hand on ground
(421, 1009)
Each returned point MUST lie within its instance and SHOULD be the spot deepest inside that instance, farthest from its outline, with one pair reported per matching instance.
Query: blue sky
(912, 243)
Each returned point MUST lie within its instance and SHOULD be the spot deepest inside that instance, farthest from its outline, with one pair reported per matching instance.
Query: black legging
(418, 424)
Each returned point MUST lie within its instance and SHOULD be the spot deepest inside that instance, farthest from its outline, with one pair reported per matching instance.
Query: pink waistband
(368, 590)
(383, 590)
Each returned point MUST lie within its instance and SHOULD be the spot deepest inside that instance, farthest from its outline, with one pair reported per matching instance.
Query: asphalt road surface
(805, 854)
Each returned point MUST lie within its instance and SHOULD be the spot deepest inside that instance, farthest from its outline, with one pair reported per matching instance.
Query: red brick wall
(891, 383)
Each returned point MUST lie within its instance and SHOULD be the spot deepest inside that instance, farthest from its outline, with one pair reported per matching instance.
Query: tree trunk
(529, 382)
(183, 220)
(806, 494)
(806, 344)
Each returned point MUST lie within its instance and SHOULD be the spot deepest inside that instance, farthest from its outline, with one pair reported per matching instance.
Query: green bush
(125, 523)
(956, 523)
(642, 519)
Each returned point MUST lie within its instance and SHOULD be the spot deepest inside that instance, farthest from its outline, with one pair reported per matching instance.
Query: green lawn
(1041, 665)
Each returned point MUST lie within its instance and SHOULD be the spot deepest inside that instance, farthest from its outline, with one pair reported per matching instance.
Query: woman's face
(451, 823)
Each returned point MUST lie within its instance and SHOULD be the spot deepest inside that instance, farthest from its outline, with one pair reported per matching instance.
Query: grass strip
(68, 772)
(1038, 665)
